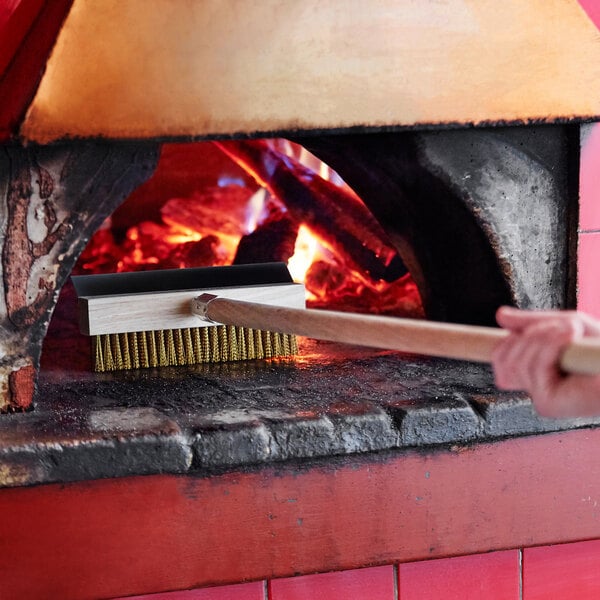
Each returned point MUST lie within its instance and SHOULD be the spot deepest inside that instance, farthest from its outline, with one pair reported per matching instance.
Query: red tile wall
(588, 264)
(588, 297)
(242, 591)
(562, 572)
(589, 180)
(494, 576)
(375, 583)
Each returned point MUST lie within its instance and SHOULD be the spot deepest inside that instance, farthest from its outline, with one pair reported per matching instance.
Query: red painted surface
(493, 576)
(589, 181)
(241, 591)
(592, 8)
(376, 583)
(140, 535)
(30, 28)
(16, 18)
(588, 266)
(565, 571)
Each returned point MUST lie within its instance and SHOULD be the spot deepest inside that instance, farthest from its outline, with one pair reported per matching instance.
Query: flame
(306, 251)
(255, 211)
(182, 235)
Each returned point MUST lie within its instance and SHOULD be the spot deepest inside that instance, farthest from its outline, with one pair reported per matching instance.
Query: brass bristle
(232, 343)
(293, 343)
(109, 364)
(135, 355)
(143, 349)
(223, 343)
(125, 351)
(259, 351)
(250, 343)
(98, 355)
(285, 344)
(214, 347)
(116, 351)
(188, 346)
(172, 358)
(277, 344)
(162, 350)
(152, 353)
(267, 343)
(142, 345)
(201, 343)
(241, 343)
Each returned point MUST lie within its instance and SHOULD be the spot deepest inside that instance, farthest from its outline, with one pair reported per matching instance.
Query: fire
(306, 251)
(236, 221)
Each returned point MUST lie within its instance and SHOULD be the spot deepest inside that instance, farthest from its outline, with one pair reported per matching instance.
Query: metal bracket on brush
(200, 306)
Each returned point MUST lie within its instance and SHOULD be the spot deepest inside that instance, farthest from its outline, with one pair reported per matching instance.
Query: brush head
(160, 300)
(144, 319)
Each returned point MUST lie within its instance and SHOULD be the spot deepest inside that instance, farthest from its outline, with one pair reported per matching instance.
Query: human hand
(528, 359)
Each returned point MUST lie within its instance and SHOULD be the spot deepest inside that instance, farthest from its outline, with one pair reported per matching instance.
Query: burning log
(182, 170)
(337, 217)
(272, 241)
(205, 211)
(55, 198)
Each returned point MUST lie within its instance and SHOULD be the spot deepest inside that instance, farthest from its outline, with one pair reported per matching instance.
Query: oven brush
(214, 314)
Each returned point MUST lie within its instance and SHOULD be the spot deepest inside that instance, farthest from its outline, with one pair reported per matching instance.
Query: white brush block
(150, 311)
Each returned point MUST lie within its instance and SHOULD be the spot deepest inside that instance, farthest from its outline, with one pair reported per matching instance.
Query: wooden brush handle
(464, 342)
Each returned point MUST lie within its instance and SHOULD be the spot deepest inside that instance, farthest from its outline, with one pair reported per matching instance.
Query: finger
(516, 319)
(520, 359)
(538, 362)
(529, 360)
(550, 341)
(505, 363)
(576, 395)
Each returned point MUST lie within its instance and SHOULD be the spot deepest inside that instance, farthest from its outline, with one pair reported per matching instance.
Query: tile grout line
(396, 582)
(520, 573)
(266, 590)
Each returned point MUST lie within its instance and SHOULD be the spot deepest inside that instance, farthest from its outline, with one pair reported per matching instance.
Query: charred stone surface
(332, 401)
(481, 217)
(51, 200)
(446, 421)
(73, 445)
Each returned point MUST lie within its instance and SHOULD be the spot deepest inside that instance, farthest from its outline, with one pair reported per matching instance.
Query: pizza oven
(439, 176)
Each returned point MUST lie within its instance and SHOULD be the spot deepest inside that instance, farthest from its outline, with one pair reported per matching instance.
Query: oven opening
(242, 202)
(429, 224)
(257, 201)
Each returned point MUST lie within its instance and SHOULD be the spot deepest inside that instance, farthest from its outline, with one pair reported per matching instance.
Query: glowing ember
(233, 221)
